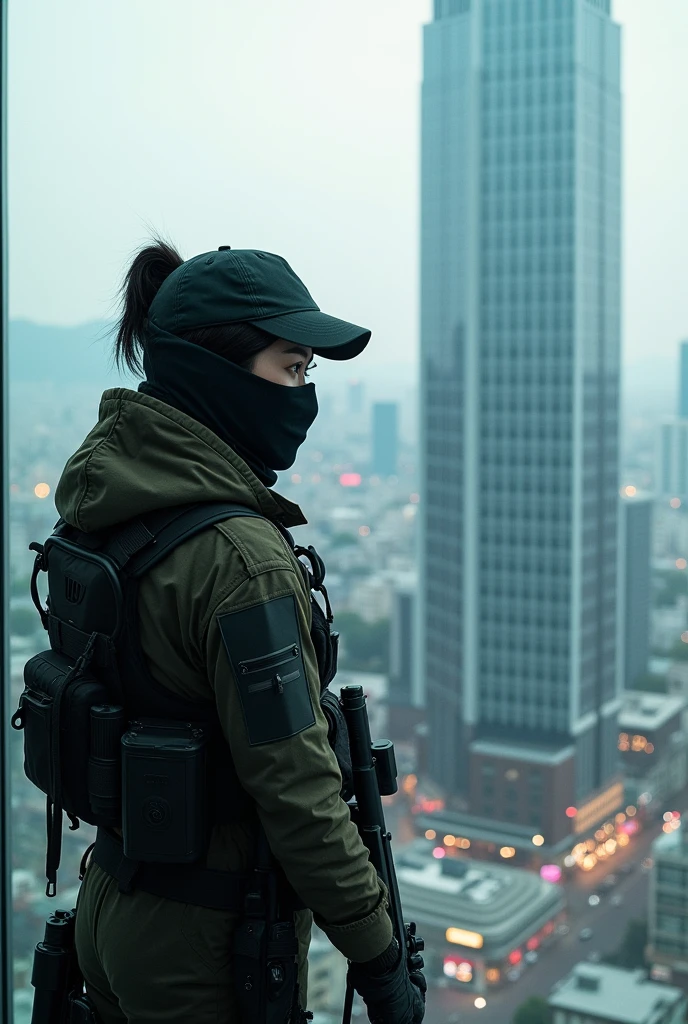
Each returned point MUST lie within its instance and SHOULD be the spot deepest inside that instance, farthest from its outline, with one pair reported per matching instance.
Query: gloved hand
(391, 994)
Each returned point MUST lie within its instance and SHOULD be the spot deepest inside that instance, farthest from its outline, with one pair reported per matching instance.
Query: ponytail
(149, 268)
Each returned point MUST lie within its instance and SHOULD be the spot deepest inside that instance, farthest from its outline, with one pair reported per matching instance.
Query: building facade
(636, 532)
(385, 438)
(520, 339)
(652, 748)
(668, 911)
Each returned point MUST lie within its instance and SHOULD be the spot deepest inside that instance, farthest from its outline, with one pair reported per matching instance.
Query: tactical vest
(96, 723)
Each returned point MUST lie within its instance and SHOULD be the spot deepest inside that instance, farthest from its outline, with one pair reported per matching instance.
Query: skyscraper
(672, 449)
(385, 438)
(520, 340)
(636, 529)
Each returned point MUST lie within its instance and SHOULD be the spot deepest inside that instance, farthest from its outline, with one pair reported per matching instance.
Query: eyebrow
(297, 350)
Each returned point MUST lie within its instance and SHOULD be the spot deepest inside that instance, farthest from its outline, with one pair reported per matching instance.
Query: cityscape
(506, 540)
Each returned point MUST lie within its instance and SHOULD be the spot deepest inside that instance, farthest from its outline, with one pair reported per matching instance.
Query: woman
(226, 341)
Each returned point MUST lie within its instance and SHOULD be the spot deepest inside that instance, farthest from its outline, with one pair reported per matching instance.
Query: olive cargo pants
(149, 960)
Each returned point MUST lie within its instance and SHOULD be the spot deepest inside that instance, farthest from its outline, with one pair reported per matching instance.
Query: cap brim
(326, 335)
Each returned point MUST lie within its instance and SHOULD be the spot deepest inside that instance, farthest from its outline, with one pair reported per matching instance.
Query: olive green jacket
(143, 455)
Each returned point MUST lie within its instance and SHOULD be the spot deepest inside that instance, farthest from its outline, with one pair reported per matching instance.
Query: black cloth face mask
(263, 422)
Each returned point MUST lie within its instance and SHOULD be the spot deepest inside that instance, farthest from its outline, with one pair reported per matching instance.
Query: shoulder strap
(145, 541)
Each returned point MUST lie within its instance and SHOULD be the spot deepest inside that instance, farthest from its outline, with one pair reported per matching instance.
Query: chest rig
(104, 740)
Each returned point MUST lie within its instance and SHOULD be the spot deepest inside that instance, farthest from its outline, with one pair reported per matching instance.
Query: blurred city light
(507, 852)
(681, 563)
(480, 1003)
(538, 840)
(364, 531)
(675, 502)
(439, 852)
(449, 840)
(630, 491)
(350, 479)
(42, 490)
(296, 478)
(571, 812)
(461, 937)
(431, 834)
(551, 872)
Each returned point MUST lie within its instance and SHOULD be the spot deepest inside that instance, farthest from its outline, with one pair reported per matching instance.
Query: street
(448, 1005)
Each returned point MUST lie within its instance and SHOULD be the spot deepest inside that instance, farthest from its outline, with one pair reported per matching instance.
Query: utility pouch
(164, 812)
(265, 971)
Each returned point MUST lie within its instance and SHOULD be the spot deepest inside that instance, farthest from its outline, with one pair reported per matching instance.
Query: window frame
(6, 953)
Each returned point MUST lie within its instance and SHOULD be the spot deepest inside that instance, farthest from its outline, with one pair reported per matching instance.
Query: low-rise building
(481, 922)
(600, 994)
(652, 746)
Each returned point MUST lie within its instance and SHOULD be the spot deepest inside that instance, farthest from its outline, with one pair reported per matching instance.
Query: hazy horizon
(292, 128)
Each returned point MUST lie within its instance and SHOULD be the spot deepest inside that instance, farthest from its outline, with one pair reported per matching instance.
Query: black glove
(391, 994)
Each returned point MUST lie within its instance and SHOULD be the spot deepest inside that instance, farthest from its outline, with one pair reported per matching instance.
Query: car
(585, 934)
(594, 900)
(616, 900)
(531, 957)
(594, 957)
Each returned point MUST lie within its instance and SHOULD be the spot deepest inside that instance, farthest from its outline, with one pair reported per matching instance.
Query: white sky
(292, 126)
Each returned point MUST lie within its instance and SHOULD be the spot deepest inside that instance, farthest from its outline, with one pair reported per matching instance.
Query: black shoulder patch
(263, 644)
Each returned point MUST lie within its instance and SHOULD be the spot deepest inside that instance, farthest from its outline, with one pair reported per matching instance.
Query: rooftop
(648, 710)
(522, 752)
(505, 905)
(614, 994)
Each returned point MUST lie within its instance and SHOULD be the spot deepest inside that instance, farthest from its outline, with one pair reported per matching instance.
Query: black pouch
(164, 784)
(54, 713)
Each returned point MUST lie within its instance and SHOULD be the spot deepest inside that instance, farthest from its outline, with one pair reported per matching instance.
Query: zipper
(269, 660)
(276, 682)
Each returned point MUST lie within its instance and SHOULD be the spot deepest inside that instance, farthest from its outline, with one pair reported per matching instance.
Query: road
(449, 1005)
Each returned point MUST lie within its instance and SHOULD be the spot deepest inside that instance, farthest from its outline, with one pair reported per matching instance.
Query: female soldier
(225, 340)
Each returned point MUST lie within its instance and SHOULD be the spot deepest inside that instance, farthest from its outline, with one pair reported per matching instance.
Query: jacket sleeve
(285, 763)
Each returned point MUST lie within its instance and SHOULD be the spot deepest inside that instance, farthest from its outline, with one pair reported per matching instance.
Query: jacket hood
(143, 455)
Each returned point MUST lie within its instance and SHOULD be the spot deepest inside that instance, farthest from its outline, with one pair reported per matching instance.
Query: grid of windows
(537, 285)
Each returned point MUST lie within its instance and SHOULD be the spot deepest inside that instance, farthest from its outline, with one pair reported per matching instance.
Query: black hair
(240, 343)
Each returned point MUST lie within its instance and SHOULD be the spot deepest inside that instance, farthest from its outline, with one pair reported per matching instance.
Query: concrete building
(668, 911)
(672, 446)
(520, 330)
(599, 994)
(636, 547)
(478, 920)
(385, 458)
(672, 459)
(652, 747)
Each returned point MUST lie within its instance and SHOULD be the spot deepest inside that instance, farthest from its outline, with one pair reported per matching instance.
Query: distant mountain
(62, 355)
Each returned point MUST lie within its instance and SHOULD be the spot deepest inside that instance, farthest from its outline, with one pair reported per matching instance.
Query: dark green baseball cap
(250, 286)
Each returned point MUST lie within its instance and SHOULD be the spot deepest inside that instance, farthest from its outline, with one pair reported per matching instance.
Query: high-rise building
(683, 386)
(672, 448)
(668, 910)
(520, 348)
(385, 438)
(636, 531)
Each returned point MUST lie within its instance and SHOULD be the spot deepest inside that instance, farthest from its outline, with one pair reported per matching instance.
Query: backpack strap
(145, 541)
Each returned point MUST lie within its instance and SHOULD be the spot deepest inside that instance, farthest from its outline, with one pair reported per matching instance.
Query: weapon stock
(374, 769)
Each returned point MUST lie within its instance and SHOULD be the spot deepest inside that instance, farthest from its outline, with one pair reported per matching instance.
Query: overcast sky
(292, 126)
